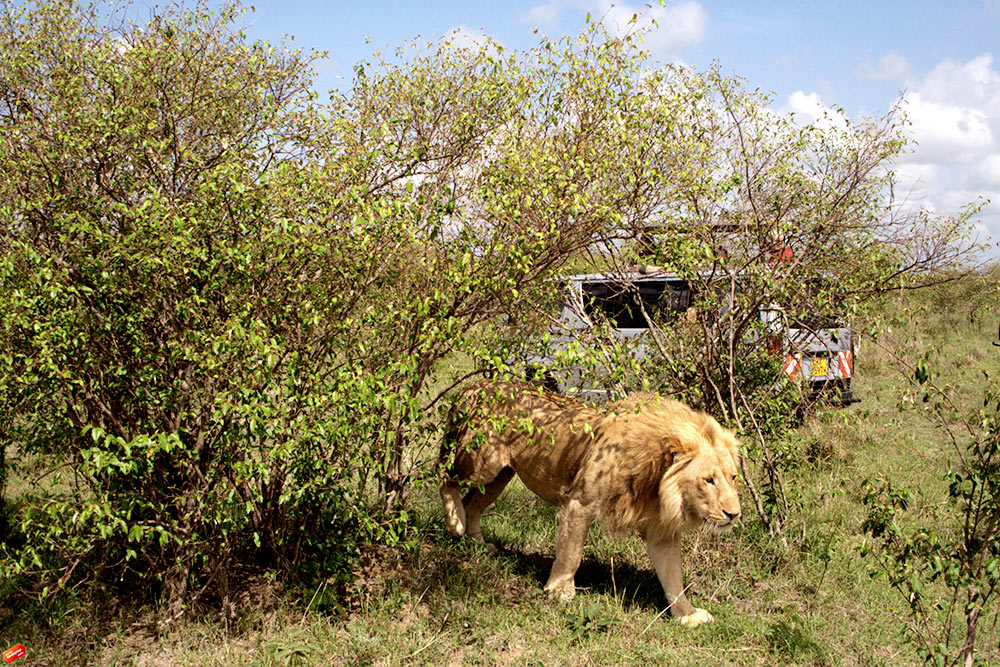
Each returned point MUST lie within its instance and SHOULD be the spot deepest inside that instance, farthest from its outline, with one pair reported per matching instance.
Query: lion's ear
(727, 439)
(671, 447)
(681, 441)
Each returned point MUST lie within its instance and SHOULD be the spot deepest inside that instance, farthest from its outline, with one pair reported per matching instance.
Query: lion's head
(695, 474)
(707, 483)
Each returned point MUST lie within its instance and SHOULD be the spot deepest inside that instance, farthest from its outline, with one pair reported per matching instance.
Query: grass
(440, 601)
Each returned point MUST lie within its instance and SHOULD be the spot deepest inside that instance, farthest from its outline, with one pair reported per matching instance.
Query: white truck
(819, 354)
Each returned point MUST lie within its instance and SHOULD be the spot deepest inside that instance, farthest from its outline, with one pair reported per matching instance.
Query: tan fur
(649, 464)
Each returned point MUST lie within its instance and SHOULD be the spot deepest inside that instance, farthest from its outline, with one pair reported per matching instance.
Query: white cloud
(948, 133)
(974, 84)
(677, 26)
(954, 113)
(892, 67)
(810, 104)
(954, 122)
(543, 15)
(915, 181)
(810, 107)
(464, 37)
(986, 174)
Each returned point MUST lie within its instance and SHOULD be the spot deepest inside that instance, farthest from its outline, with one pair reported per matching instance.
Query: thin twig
(315, 593)
(665, 609)
(436, 637)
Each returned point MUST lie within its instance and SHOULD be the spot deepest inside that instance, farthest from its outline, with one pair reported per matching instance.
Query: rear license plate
(818, 367)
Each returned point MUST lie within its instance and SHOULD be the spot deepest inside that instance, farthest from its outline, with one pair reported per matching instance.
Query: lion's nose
(731, 515)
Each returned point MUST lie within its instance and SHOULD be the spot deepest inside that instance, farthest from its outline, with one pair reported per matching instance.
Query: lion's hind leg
(476, 501)
(454, 512)
(489, 469)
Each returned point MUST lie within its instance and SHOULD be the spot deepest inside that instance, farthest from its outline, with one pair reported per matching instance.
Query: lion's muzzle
(722, 524)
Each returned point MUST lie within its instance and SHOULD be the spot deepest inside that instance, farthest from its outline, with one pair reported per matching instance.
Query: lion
(651, 465)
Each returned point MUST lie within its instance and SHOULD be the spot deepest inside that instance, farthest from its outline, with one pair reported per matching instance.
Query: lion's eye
(710, 480)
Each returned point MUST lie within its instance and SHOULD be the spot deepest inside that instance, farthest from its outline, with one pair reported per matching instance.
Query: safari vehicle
(818, 352)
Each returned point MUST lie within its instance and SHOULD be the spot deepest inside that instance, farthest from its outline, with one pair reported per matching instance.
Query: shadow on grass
(636, 588)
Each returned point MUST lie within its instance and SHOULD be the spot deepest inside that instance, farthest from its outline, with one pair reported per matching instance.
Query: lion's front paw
(562, 592)
(695, 618)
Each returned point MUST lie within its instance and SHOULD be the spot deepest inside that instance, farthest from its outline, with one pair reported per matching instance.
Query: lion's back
(543, 437)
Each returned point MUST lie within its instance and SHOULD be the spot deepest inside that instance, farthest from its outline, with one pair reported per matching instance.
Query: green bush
(231, 312)
(948, 570)
(166, 338)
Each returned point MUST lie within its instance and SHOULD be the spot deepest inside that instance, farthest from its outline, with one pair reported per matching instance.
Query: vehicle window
(623, 304)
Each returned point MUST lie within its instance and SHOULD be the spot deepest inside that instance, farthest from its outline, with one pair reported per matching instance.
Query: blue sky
(856, 55)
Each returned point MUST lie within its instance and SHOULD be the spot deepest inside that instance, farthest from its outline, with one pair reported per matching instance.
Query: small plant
(589, 620)
(297, 649)
(790, 636)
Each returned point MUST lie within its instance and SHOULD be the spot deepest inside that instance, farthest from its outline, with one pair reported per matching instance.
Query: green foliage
(775, 224)
(229, 309)
(161, 350)
(589, 620)
(442, 601)
(297, 649)
(949, 573)
(791, 637)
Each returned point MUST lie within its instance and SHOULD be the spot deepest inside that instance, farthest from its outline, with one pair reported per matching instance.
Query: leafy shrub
(166, 346)
(948, 573)
(227, 307)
